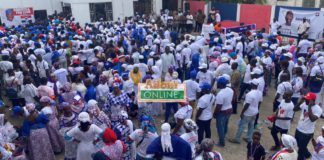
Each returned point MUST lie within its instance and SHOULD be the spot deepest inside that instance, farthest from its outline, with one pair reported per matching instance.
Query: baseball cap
(256, 71)
(224, 59)
(203, 66)
(205, 86)
(310, 96)
(84, 117)
(222, 80)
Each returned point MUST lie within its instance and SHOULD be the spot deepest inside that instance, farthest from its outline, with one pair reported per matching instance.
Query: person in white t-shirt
(204, 114)
(204, 75)
(190, 136)
(303, 46)
(184, 112)
(42, 67)
(192, 89)
(310, 112)
(143, 137)
(247, 78)
(248, 115)
(283, 115)
(223, 109)
(283, 87)
(318, 144)
(297, 84)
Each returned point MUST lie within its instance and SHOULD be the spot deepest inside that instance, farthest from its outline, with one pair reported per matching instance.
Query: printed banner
(16, 16)
(290, 20)
(157, 91)
(240, 29)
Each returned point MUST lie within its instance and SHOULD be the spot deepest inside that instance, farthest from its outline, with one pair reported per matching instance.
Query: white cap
(288, 55)
(302, 59)
(175, 75)
(227, 77)
(273, 47)
(152, 53)
(256, 71)
(84, 117)
(203, 66)
(320, 59)
(178, 48)
(157, 41)
(140, 57)
(265, 45)
(254, 81)
(146, 47)
(224, 59)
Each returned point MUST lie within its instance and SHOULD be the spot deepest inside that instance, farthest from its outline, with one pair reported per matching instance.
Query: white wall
(49, 5)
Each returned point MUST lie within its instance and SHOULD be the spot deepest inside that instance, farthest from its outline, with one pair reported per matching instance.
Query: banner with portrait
(16, 16)
(290, 20)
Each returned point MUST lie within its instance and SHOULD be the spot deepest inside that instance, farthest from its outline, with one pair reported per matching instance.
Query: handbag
(315, 84)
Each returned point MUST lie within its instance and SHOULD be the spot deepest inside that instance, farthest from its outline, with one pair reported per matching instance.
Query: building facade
(87, 11)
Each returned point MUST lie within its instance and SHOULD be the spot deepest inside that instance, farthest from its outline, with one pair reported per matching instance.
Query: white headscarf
(166, 137)
(289, 141)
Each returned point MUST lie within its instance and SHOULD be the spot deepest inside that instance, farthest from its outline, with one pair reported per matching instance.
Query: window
(321, 4)
(101, 10)
(309, 3)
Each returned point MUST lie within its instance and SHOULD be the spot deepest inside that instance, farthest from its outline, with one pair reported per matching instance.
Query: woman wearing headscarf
(169, 146)
(117, 101)
(318, 147)
(53, 126)
(68, 94)
(85, 134)
(184, 112)
(289, 151)
(34, 128)
(191, 134)
(113, 149)
(78, 105)
(67, 121)
(98, 117)
(205, 151)
(143, 137)
(123, 130)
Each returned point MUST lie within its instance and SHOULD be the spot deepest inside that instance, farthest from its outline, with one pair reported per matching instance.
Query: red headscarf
(109, 136)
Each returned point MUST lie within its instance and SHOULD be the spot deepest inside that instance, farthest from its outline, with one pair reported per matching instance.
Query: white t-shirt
(205, 77)
(304, 45)
(192, 87)
(261, 84)
(282, 88)
(207, 103)
(137, 136)
(224, 98)
(254, 97)
(223, 68)
(42, 67)
(285, 110)
(305, 125)
(297, 85)
(247, 75)
(317, 70)
(320, 154)
(192, 139)
(61, 75)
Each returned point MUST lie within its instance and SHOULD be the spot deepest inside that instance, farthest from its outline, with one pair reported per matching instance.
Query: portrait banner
(290, 20)
(16, 16)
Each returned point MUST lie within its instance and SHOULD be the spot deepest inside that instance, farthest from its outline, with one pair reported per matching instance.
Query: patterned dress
(123, 131)
(116, 104)
(67, 123)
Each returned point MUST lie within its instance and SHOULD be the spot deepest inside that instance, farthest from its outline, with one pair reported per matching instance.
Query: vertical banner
(290, 20)
(16, 16)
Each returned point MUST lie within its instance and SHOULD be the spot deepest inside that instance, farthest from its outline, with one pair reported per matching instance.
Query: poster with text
(16, 16)
(290, 20)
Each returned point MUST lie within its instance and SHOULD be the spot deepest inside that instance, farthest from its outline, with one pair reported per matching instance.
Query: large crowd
(75, 88)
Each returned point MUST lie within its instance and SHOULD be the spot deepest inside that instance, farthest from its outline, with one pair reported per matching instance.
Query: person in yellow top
(136, 77)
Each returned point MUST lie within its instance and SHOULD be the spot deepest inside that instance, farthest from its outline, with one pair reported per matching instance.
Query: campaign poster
(16, 16)
(290, 20)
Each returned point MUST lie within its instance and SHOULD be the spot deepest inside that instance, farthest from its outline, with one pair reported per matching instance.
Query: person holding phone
(310, 112)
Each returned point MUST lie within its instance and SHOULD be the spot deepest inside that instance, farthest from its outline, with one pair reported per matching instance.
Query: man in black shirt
(255, 150)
